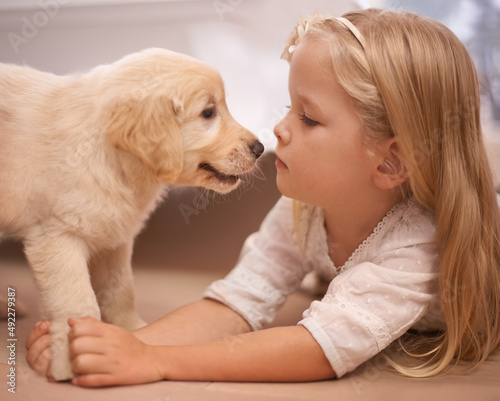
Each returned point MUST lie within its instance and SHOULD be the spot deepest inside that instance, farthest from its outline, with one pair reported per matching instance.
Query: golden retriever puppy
(84, 160)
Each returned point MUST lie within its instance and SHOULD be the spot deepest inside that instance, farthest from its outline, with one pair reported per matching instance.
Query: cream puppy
(85, 159)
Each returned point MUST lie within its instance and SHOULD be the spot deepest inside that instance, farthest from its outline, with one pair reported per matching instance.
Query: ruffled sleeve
(388, 288)
(271, 266)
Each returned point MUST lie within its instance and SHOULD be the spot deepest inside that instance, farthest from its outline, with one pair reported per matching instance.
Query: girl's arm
(278, 354)
(105, 355)
(200, 321)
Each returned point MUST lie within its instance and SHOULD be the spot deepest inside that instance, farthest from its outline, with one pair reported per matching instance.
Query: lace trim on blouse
(310, 213)
(361, 247)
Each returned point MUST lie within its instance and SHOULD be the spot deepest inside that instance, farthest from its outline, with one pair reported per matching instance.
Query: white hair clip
(349, 25)
(301, 30)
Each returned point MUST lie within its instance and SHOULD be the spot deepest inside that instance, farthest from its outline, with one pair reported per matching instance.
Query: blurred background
(243, 39)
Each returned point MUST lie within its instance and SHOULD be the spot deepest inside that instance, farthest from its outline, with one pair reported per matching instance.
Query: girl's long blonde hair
(415, 81)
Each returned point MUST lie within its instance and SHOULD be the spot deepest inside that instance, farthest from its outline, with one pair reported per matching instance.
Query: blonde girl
(381, 161)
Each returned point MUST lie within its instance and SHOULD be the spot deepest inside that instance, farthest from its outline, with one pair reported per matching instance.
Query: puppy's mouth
(223, 178)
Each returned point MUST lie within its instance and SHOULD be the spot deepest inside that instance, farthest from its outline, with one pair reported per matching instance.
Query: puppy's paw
(60, 368)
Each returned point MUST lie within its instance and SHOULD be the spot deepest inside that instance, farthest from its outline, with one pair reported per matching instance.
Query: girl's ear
(391, 170)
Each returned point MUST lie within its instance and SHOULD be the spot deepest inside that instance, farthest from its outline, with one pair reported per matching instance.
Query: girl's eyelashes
(307, 121)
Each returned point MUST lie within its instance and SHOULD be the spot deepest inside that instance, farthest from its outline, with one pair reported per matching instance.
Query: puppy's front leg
(59, 263)
(114, 287)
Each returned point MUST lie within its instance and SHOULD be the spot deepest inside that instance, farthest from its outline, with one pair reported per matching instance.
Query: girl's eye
(307, 121)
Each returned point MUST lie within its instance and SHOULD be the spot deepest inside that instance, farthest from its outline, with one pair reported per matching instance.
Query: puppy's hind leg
(113, 284)
(60, 269)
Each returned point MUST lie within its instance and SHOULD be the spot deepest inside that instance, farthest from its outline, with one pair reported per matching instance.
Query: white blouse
(388, 285)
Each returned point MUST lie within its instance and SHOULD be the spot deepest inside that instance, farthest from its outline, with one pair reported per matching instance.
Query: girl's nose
(281, 131)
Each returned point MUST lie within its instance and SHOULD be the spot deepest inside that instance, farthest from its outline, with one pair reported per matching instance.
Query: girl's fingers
(42, 363)
(94, 380)
(37, 348)
(90, 363)
(39, 357)
(39, 330)
(86, 345)
(38, 345)
(85, 326)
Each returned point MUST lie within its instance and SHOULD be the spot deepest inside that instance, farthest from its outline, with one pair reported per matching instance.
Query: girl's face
(320, 156)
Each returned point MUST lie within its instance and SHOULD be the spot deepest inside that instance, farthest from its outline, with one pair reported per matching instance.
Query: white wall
(242, 38)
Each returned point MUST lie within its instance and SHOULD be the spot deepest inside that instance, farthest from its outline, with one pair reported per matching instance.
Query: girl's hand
(104, 355)
(38, 346)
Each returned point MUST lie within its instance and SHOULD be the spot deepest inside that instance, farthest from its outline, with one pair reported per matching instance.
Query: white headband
(349, 25)
(301, 30)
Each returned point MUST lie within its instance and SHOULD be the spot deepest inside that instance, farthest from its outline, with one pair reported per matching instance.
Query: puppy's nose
(257, 149)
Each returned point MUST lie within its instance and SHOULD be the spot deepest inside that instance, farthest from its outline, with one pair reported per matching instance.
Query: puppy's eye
(208, 113)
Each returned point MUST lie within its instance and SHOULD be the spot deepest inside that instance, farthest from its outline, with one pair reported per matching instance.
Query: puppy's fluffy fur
(84, 160)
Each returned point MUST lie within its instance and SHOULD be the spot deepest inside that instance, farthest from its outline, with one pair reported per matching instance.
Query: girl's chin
(283, 187)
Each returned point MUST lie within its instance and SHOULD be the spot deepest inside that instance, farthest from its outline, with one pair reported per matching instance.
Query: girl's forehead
(312, 62)
(312, 79)
(315, 49)
(313, 57)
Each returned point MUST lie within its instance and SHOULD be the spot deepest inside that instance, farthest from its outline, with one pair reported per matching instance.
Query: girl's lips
(279, 164)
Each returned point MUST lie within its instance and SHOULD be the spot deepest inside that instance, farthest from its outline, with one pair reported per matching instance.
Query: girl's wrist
(170, 362)
(180, 362)
(158, 359)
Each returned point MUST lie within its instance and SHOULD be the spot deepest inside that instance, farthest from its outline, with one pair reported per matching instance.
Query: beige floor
(161, 290)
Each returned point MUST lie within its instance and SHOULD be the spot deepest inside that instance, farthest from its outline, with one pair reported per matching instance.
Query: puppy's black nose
(257, 149)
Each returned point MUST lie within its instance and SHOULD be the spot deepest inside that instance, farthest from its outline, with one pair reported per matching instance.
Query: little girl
(387, 194)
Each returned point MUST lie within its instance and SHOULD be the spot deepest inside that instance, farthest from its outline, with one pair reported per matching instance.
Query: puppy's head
(168, 111)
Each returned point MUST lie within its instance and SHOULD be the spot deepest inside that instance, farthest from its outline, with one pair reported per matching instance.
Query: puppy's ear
(148, 129)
